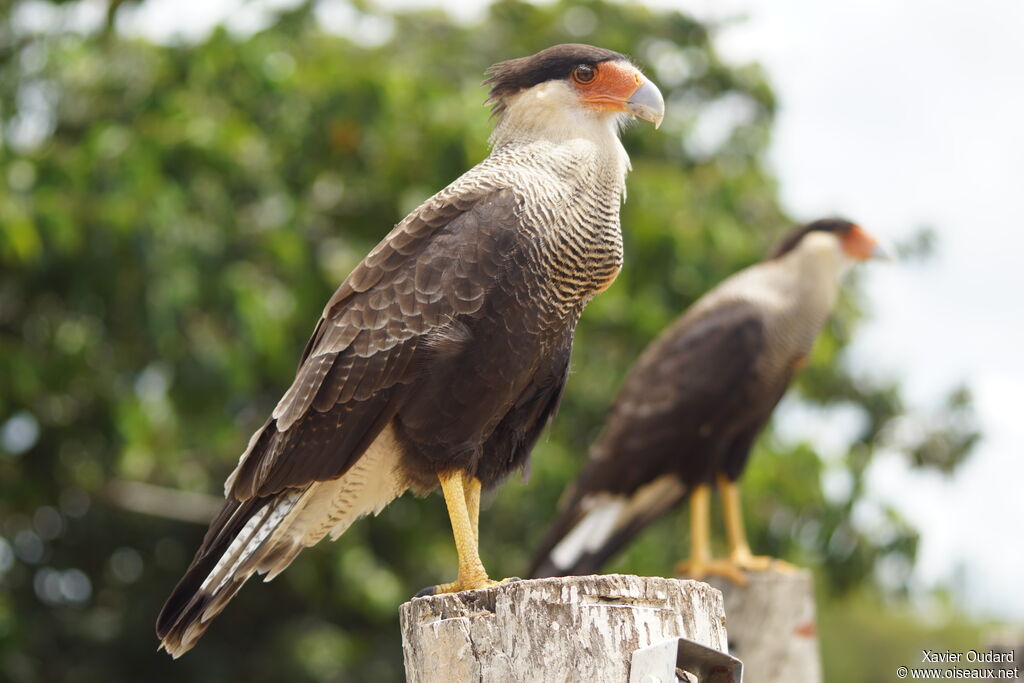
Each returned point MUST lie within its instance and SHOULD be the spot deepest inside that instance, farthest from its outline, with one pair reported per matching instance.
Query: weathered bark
(772, 626)
(576, 628)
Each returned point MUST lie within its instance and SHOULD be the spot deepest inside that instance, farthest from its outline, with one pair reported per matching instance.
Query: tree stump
(772, 626)
(575, 628)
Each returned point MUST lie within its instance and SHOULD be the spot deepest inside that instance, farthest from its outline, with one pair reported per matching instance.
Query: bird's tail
(265, 533)
(596, 525)
(245, 538)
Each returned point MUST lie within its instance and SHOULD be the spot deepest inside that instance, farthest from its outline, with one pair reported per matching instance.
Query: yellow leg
(700, 525)
(701, 564)
(462, 495)
(473, 487)
(739, 549)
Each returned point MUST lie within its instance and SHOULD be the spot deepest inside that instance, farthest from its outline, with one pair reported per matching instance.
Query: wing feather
(670, 409)
(433, 267)
(400, 304)
(679, 395)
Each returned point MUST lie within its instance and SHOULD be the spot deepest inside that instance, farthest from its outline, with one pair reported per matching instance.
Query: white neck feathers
(551, 112)
(804, 279)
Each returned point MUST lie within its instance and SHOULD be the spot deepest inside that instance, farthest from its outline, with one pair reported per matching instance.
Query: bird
(442, 356)
(692, 406)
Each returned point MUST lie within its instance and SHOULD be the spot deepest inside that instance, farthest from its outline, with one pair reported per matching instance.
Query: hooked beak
(620, 87)
(861, 245)
(647, 103)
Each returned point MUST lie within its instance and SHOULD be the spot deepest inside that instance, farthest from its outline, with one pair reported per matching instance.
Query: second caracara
(692, 406)
(443, 354)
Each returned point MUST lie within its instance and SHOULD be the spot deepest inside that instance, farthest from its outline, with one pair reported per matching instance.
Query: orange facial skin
(611, 87)
(858, 244)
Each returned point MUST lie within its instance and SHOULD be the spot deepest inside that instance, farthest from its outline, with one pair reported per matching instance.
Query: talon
(460, 585)
(426, 592)
(723, 568)
(760, 563)
(486, 583)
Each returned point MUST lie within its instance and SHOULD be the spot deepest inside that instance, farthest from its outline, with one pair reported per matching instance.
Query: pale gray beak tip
(647, 103)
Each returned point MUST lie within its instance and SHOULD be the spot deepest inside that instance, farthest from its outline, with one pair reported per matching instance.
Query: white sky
(897, 115)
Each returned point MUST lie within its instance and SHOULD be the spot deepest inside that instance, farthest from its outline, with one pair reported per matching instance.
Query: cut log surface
(772, 626)
(576, 628)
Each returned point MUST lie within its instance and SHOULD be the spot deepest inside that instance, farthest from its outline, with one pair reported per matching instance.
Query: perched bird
(693, 404)
(443, 354)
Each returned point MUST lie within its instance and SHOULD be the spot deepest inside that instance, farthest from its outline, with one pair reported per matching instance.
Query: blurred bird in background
(443, 354)
(692, 406)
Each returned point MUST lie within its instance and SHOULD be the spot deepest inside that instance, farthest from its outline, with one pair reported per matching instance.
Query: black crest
(793, 237)
(514, 75)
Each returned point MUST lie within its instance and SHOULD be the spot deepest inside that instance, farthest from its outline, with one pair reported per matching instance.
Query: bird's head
(568, 87)
(834, 238)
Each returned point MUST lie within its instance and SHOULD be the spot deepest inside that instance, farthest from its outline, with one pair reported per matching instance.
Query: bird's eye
(584, 73)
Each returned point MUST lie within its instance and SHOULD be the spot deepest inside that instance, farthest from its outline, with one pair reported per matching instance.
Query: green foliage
(892, 634)
(175, 218)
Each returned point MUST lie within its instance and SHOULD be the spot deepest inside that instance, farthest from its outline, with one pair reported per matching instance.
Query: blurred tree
(175, 218)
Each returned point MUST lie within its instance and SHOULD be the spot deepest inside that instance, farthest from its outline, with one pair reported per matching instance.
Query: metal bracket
(663, 663)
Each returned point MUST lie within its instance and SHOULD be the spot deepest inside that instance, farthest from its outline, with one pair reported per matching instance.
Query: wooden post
(772, 627)
(576, 628)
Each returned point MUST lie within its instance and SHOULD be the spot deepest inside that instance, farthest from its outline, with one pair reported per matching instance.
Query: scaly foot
(463, 585)
(761, 563)
(701, 569)
(733, 568)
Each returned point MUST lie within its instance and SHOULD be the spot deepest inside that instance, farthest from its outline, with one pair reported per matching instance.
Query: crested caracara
(443, 354)
(693, 404)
